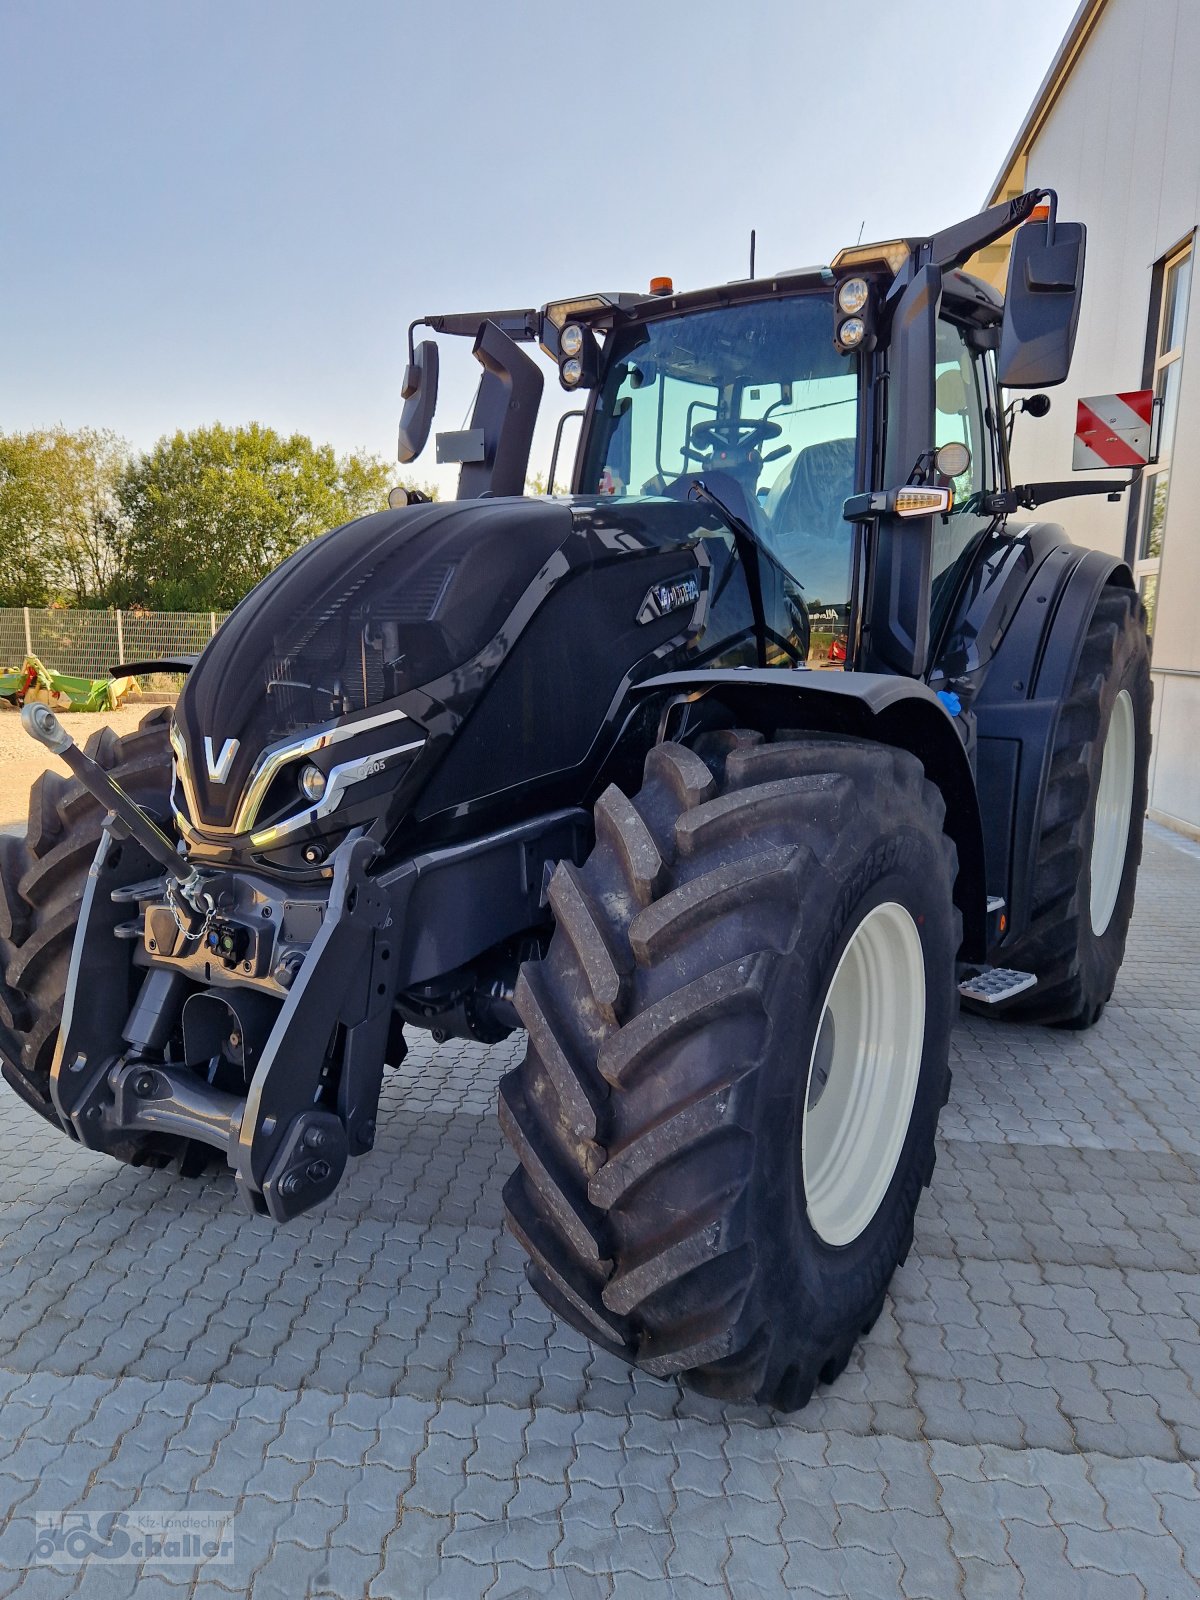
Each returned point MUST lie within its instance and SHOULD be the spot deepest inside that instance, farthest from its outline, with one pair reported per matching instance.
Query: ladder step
(996, 984)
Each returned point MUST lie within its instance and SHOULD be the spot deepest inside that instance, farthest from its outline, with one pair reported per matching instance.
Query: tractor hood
(308, 688)
(346, 626)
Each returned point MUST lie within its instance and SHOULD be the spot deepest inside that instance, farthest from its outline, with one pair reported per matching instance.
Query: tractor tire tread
(637, 1235)
(44, 877)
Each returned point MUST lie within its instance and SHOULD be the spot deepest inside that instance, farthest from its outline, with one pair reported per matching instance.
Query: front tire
(42, 879)
(738, 1052)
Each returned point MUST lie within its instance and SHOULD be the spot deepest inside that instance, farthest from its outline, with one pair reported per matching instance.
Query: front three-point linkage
(311, 1100)
(41, 724)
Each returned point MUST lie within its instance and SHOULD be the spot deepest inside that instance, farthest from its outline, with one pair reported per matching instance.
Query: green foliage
(191, 525)
(211, 512)
(61, 537)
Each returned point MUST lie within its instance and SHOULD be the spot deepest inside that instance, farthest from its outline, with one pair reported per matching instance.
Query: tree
(212, 511)
(61, 533)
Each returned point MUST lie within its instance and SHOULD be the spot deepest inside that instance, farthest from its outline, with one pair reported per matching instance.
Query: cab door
(965, 412)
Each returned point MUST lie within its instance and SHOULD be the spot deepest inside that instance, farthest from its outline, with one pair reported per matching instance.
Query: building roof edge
(1076, 36)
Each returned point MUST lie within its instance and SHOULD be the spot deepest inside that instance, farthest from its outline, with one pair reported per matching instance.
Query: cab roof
(975, 297)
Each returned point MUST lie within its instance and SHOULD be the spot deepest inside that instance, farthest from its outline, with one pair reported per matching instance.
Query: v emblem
(219, 765)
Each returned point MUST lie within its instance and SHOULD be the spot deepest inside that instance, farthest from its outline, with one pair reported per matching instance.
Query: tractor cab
(846, 418)
(753, 401)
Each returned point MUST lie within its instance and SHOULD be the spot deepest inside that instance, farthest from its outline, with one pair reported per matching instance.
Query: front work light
(853, 295)
(570, 340)
(571, 372)
(851, 333)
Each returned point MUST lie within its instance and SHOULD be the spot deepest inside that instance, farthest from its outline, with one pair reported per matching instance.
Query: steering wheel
(735, 436)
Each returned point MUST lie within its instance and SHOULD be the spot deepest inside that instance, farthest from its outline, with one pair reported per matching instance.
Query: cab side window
(962, 416)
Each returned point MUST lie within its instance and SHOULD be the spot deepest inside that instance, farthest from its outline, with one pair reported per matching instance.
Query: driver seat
(804, 513)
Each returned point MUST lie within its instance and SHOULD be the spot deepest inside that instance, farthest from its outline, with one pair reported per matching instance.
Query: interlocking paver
(386, 1408)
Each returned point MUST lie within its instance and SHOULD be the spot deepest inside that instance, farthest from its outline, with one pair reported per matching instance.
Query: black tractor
(724, 776)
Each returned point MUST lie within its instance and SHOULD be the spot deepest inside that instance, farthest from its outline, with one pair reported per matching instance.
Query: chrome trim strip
(288, 750)
(263, 772)
(183, 771)
(268, 764)
(340, 779)
(186, 832)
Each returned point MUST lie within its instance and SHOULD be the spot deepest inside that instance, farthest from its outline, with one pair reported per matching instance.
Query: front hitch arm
(41, 724)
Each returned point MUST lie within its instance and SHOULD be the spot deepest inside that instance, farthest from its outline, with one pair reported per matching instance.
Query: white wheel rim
(1114, 806)
(863, 1072)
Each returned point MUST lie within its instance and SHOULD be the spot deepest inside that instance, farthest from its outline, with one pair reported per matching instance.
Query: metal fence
(87, 643)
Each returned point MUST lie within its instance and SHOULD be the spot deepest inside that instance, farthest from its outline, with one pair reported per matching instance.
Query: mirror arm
(954, 245)
(1027, 496)
(521, 325)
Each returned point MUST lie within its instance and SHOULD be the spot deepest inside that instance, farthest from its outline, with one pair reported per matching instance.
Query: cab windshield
(756, 392)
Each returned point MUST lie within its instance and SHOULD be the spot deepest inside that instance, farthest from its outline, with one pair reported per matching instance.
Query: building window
(1170, 318)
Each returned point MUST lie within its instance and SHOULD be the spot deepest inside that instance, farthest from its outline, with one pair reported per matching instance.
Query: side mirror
(420, 389)
(1041, 307)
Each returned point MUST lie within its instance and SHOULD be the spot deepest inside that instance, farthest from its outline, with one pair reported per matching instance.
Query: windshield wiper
(746, 541)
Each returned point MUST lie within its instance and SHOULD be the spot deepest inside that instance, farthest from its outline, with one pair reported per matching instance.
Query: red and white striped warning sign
(1113, 430)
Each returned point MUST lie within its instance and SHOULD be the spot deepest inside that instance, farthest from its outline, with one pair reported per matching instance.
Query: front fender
(865, 705)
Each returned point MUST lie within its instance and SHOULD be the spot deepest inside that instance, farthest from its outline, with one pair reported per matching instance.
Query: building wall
(1121, 145)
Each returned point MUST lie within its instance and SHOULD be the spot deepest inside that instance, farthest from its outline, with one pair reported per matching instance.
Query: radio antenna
(751, 252)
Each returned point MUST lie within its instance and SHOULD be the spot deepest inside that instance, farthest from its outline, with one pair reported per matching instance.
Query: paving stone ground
(384, 1408)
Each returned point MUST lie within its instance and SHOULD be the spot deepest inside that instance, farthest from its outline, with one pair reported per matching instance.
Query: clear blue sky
(232, 208)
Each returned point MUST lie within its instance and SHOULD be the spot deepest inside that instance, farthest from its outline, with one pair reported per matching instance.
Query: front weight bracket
(308, 1165)
(346, 983)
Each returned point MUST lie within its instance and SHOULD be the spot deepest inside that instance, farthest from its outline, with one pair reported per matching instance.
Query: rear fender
(890, 710)
(1017, 697)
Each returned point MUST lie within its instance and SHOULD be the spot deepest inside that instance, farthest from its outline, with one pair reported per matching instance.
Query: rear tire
(1087, 854)
(682, 1196)
(42, 879)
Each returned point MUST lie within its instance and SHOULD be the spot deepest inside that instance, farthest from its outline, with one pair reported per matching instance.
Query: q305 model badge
(675, 595)
(219, 765)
